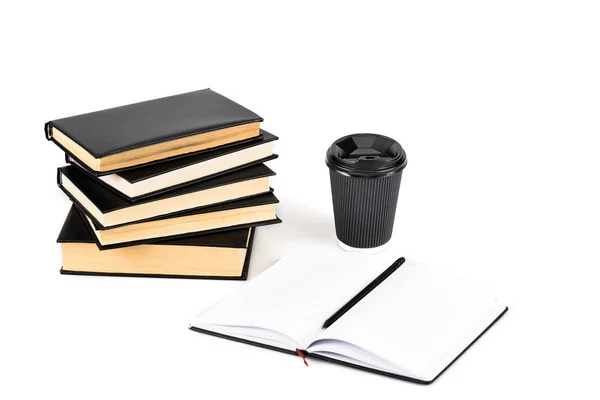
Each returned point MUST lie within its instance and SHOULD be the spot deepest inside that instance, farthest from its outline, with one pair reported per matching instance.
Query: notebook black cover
(268, 198)
(119, 129)
(106, 200)
(138, 174)
(74, 231)
(320, 357)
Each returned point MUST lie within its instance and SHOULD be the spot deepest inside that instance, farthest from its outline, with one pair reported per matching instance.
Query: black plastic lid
(366, 155)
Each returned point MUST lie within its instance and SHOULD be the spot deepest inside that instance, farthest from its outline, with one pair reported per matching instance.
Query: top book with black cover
(142, 133)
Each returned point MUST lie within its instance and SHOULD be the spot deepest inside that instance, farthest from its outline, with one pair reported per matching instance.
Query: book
(108, 209)
(402, 320)
(239, 214)
(142, 182)
(215, 256)
(154, 130)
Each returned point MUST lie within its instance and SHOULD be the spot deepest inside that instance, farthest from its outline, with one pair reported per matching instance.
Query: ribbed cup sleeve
(364, 208)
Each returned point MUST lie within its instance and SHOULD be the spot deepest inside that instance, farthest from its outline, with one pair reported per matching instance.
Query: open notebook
(399, 319)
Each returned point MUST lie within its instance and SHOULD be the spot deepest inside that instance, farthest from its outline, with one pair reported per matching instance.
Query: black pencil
(383, 276)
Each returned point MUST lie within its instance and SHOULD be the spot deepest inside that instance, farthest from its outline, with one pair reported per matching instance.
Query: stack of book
(172, 187)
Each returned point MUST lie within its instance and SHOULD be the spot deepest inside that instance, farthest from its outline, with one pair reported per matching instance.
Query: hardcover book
(107, 209)
(139, 183)
(154, 130)
(407, 321)
(239, 214)
(214, 256)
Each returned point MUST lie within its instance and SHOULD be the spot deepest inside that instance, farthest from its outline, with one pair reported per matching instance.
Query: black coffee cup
(365, 171)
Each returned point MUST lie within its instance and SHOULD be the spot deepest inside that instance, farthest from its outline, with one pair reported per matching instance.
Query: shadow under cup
(365, 171)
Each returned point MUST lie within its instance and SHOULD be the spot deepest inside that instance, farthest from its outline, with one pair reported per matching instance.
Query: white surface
(497, 107)
(414, 323)
(370, 250)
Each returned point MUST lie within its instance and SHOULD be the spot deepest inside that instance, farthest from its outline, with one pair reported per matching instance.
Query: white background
(496, 103)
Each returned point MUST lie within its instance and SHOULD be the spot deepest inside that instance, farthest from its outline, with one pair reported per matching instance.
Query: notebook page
(296, 295)
(419, 319)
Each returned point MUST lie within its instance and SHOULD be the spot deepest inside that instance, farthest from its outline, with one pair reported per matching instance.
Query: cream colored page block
(187, 201)
(158, 151)
(76, 150)
(189, 173)
(187, 224)
(154, 259)
(169, 205)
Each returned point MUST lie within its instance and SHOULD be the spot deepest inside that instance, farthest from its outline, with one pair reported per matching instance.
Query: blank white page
(419, 319)
(296, 295)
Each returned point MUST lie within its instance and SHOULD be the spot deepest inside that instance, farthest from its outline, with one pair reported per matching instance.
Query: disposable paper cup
(365, 171)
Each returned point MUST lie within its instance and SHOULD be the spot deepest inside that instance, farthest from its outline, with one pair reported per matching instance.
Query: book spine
(59, 177)
(48, 130)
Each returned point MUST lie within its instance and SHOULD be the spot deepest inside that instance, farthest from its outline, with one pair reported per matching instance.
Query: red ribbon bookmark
(302, 354)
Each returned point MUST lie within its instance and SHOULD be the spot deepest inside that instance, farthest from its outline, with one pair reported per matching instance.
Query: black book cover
(119, 129)
(138, 174)
(74, 230)
(263, 199)
(106, 200)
